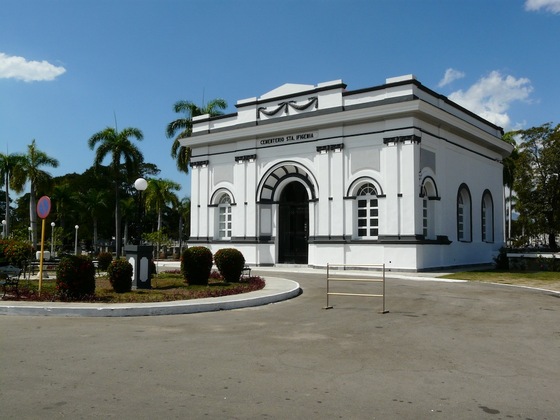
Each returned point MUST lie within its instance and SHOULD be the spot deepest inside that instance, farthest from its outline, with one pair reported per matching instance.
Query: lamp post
(140, 255)
(76, 240)
(140, 184)
(52, 239)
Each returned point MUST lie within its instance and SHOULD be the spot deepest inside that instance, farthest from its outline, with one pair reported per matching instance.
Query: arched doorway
(293, 224)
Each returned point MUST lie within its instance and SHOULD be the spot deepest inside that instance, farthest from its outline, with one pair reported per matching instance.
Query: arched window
(487, 217)
(427, 215)
(429, 195)
(367, 212)
(464, 213)
(224, 217)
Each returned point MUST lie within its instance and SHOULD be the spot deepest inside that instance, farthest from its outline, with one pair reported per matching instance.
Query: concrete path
(445, 350)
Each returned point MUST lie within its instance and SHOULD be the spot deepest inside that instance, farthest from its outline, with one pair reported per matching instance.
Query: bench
(9, 277)
(34, 266)
(246, 272)
(52, 265)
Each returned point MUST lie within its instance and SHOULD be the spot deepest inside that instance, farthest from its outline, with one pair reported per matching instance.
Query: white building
(393, 174)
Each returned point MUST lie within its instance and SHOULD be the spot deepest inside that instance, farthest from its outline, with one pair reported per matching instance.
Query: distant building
(393, 174)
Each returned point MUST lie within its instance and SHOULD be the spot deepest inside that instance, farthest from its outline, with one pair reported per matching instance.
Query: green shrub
(230, 262)
(120, 275)
(501, 260)
(104, 259)
(196, 264)
(15, 252)
(75, 277)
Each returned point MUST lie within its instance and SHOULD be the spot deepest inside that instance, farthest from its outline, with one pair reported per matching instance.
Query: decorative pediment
(284, 107)
(287, 89)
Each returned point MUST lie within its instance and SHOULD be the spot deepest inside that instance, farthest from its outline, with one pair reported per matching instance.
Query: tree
(118, 146)
(159, 194)
(30, 171)
(9, 162)
(509, 164)
(93, 202)
(184, 210)
(182, 127)
(128, 209)
(537, 181)
(62, 198)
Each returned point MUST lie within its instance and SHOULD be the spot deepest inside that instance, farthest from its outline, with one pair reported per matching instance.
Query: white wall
(466, 152)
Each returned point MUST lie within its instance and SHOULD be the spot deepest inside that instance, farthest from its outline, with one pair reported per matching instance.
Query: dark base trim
(381, 240)
(319, 240)
(199, 240)
(412, 240)
(234, 240)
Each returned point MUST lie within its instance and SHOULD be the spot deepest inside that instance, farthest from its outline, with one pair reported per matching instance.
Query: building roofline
(348, 93)
(258, 101)
(428, 91)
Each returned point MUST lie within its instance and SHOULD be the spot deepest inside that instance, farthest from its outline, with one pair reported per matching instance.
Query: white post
(52, 238)
(76, 240)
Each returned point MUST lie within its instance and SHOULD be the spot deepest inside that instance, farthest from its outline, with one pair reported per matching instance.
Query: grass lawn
(542, 279)
(166, 286)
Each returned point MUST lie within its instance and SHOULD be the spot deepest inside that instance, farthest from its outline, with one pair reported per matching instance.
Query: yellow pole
(41, 259)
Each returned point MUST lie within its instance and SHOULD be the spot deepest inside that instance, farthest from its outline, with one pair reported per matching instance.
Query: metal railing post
(328, 307)
(361, 280)
(384, 311)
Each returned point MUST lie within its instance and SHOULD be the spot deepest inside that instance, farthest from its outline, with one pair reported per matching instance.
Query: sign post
(43, 210)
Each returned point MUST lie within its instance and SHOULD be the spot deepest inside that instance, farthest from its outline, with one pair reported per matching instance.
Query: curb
(276, 290)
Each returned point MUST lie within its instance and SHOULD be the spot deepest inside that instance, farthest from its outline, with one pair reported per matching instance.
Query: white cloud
(552, 6)
(491, 96)
(13, 67)
(450, 76)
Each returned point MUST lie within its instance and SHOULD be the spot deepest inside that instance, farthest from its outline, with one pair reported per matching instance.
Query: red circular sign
(43, 207)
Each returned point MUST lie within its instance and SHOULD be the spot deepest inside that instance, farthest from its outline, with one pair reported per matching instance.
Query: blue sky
(68, 67)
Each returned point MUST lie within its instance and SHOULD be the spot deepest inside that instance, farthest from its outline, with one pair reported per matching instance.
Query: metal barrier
(361, 280)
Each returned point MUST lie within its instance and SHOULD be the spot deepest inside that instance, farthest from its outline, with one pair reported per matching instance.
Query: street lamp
(140, 255)
(76, 240)
(140, 184)
(52, 239)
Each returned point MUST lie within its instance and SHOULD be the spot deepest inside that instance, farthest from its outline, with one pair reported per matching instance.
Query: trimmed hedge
(104, 259)
(196, 264)
(75, 277)
(120, 275)
(15, 252)
(230, 262)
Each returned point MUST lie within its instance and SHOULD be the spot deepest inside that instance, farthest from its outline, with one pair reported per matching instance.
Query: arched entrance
(293, 224)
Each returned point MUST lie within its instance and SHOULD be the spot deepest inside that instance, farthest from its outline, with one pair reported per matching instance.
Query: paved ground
(445, 350)
(276, 290)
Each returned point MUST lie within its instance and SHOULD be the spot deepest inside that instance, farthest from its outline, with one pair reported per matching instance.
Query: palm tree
(118, 145)
(8, 162)
(93, 202)
(29, 170)
(184, 210)
(183, 126)
(63, 198)
(158, 195)
(128, 209)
